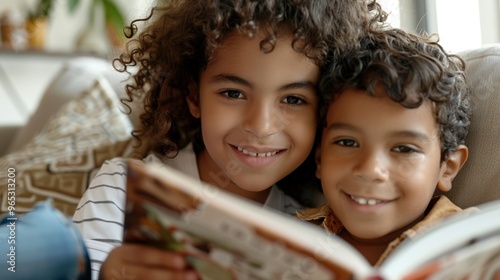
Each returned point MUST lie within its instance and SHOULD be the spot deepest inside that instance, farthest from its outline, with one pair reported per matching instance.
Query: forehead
(242, 56)
(379, 112)
(238, 43)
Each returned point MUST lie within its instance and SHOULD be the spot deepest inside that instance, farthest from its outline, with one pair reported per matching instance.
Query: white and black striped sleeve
(100, 213)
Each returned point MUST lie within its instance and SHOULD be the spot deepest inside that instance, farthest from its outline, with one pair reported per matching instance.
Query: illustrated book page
(227, 237)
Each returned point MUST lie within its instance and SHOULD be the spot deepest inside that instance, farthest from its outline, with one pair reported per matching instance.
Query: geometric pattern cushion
(62, 158)
(63, 181)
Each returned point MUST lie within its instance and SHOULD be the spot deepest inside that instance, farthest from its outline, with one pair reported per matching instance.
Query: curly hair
(167, 57)
(412, 68)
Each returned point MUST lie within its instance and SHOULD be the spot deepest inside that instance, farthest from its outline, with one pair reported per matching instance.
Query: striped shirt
(100, 213)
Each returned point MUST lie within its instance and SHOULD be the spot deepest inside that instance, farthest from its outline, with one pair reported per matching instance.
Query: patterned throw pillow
(60, 161)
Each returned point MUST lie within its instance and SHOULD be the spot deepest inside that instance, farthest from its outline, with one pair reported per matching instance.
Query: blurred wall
(65, 29)
(461, 24)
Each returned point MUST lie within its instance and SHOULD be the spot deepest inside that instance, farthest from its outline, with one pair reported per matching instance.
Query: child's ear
(193, 101)
(317, 159)
(451, 167)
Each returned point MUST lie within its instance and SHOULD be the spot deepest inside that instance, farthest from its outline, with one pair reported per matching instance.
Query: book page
(469, 240)
(477, 260)
(224, 237)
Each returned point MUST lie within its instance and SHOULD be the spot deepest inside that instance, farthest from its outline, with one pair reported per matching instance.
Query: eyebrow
(238, 80)
(401, 133)
(230, 78)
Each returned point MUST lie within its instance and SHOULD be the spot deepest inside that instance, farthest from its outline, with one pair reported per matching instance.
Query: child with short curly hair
(395, 130)
(230, 97)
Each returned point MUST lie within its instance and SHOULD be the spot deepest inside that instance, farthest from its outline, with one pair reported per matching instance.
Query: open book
(227, 237)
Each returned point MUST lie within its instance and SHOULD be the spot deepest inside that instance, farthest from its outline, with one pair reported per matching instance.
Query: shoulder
(113, 166)
(111, 176)
(441, 207)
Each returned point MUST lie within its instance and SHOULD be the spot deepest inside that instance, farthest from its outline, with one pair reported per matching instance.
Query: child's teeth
(364, 201)
(253, 154)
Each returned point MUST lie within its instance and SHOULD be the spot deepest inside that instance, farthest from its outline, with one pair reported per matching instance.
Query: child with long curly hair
(229, 94)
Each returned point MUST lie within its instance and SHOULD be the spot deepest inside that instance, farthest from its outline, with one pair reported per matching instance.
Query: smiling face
(380, 162)
(258, 114)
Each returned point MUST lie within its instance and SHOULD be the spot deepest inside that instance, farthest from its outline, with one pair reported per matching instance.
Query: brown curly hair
(412, 68)
(167, 57)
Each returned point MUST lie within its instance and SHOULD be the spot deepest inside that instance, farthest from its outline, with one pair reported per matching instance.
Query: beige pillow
(60, 161)
(479, 180)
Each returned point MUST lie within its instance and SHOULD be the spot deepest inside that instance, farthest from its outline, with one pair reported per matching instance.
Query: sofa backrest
(479, 180)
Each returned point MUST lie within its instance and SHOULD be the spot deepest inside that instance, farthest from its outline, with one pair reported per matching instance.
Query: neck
(212, 174)
(372, 249)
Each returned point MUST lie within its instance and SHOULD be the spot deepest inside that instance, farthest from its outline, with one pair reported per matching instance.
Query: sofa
(80, 123)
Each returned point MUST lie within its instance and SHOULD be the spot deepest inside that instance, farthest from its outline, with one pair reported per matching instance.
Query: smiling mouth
(366, 201)
(255, 154)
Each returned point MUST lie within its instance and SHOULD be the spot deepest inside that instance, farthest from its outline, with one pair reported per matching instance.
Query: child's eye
(233, 94)
(347, 143)
(404, 149)
(293, 100)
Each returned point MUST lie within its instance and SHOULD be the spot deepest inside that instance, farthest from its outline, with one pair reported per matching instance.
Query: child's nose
(373, 166)
(263, 120)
